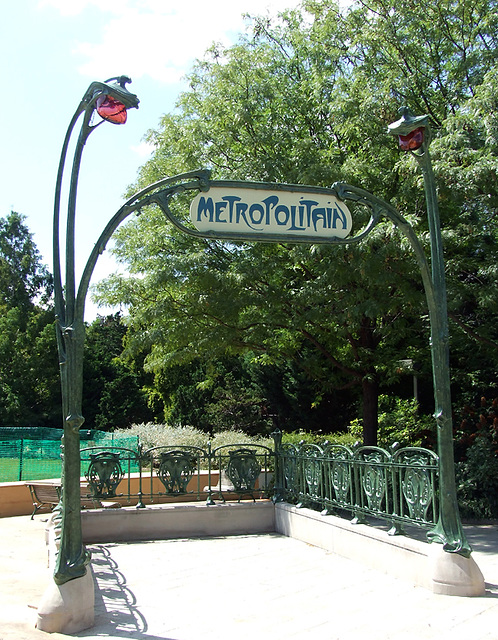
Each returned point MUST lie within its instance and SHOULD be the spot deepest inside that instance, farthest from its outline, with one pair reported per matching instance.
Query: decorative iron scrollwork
(372, 468)
(417, 473)
(243, 470)
(289, 456)
(312, 471)
(104, 474)
(374, 486)
(339, 469)
(176, 469)
(417, 492)
(341, 480)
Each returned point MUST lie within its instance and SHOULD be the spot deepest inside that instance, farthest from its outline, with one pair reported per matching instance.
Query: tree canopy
(113, 389)
(306, 98)
(29, 376)
(30, 392)
(24, 280)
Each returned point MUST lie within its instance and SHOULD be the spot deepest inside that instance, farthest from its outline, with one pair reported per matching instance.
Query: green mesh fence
(10, 460)
(35, 459)
(30, 433)
(128, 460)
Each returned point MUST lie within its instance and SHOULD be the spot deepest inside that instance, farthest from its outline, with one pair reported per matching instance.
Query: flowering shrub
(157, 435)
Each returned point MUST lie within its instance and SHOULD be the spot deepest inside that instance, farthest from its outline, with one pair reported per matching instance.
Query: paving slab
(257, 586)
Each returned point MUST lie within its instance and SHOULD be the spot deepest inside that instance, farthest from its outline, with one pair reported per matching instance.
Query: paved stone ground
(261, 586)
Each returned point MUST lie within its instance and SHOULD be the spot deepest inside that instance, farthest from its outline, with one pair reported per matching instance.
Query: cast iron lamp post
(110, 99)
(414, 135)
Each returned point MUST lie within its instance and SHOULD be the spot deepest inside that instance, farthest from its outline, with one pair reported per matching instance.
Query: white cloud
(143, 150)
(74, 7)
(160, 38)
(141, 43)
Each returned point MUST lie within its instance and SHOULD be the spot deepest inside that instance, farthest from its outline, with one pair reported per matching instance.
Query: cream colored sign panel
(239, 210)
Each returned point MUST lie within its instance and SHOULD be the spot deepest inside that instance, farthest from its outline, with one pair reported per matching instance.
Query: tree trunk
(370, 384)
(370, 387)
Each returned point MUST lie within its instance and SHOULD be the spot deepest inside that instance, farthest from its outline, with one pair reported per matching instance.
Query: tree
(467, 160)
(241, 392)
(307, 99)
(276, 302)
(24, 281)
(113, 389)
(29, 377)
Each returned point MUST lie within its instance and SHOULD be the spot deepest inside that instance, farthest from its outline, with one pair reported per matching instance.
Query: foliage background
(306, 98)
(223, 336)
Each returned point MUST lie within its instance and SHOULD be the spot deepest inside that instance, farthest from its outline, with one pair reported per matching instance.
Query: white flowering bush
(160, 435)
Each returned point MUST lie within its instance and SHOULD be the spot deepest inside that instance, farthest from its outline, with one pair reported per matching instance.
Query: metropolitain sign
(234, 209)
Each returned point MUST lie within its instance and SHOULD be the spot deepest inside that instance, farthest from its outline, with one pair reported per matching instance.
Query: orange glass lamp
(111, 109)
(411, 130)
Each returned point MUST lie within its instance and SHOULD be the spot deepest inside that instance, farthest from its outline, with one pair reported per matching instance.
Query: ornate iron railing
(397, 486)
(173, 473)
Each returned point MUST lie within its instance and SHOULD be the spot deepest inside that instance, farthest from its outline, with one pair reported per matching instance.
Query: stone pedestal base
(68, 608)
(454, 575)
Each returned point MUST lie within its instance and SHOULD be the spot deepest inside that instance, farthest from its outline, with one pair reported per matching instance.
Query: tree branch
(471, 333)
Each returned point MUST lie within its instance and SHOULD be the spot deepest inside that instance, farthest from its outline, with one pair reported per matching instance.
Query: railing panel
(372, 490)
(104, 473)
(338, 477)
(288, 476)
(311, 475)
(398, 486)
(415, 472)
(107, 468)
(243, 471)
(174, 467)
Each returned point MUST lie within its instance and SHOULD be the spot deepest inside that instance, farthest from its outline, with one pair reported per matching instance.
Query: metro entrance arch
(241, 211)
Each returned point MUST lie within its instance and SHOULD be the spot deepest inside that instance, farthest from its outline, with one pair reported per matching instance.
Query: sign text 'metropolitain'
(290, 213)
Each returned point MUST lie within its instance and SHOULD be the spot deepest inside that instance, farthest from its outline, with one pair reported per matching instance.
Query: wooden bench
(47, 494)
(43, 494)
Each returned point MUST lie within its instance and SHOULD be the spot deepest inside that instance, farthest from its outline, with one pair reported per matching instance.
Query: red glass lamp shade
(111, 109)
(413, 140)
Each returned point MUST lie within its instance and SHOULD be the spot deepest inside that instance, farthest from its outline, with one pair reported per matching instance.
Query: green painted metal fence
(170, 473)
(397, 486)
(31, 458)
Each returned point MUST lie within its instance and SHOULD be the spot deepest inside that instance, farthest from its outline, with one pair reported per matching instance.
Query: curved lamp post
(110, 100)
(414, 135)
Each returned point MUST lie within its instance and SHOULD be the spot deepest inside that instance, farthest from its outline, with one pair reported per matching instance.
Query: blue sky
(51, 50)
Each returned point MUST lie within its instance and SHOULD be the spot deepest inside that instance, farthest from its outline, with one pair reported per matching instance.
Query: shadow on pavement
(116, 611)
(483, 537)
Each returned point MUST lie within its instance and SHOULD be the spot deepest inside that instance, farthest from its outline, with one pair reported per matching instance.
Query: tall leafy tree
(466, 157)
(29, 378)
(307, 99)
(24, 280)
(114, 390)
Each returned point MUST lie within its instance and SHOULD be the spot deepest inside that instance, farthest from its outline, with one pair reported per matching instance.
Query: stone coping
(419, 562)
